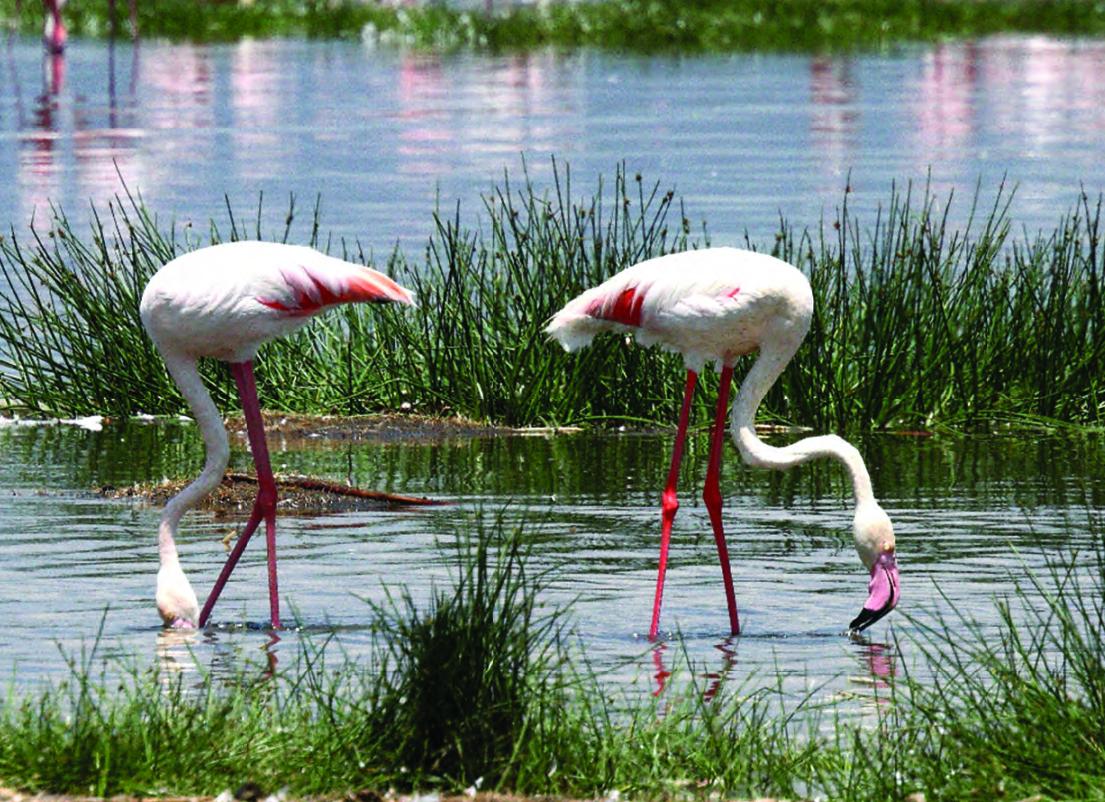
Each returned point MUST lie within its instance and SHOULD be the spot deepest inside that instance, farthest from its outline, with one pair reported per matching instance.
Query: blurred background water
(383, 135)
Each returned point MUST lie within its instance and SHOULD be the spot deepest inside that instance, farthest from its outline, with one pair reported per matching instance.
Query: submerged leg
(669, 504)
(264, 507)
(711, 494)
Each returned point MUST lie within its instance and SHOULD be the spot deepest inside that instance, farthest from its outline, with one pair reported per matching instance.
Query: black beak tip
(866, 618)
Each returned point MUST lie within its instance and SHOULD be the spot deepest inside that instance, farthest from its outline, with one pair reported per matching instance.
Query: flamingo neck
(207, 417)
(759, 454)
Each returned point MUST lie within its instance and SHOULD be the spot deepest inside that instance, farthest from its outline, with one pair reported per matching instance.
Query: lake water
(381, 134)
(971, 514)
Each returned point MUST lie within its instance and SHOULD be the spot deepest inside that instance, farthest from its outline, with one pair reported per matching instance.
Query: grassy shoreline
(482, 687)
(916, 325)
(623, 25)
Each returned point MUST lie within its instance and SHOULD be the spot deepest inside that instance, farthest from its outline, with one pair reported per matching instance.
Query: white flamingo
(224, 302)
(715, 305)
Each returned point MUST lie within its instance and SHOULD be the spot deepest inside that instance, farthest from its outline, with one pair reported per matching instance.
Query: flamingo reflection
(716, 678)
(880, 660)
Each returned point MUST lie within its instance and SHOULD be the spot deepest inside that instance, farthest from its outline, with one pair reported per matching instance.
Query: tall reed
(917, 325)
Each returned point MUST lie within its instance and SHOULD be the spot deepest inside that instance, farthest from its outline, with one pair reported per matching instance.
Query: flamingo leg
(264, 507)
(669, 504)
(711, 494)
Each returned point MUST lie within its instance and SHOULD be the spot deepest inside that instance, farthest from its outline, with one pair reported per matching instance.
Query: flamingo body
(227, 300)
(715, 305)
(224, 302)
(711, 305)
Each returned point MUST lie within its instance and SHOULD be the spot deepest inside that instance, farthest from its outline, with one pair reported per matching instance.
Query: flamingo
(54, 33)
(224, 302)
(715, 305)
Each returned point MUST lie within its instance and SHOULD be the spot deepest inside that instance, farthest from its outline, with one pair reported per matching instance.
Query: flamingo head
(875, 544)
(176, 601)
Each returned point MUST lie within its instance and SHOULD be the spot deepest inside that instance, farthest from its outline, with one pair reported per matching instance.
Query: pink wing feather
(312, 288)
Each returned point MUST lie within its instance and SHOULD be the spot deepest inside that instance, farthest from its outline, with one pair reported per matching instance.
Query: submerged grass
(481, 687)
(628, 25)
(916, 325)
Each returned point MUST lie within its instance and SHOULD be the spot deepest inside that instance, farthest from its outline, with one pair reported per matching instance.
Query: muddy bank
(385, 428)
(295, 494)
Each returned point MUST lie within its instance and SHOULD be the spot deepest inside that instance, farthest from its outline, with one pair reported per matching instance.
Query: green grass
(916, 325)
(482, 684)
(627, 25)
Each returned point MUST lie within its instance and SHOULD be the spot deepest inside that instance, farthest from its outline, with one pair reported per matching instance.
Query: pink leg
(712, 495)
(265, 505)
(669, 504)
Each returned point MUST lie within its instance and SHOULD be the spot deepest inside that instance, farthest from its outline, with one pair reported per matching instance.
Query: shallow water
(971, 513)
(380, 134)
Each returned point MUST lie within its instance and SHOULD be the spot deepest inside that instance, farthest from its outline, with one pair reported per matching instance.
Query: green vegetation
(916, 325)
(628, 25)
(482, 684)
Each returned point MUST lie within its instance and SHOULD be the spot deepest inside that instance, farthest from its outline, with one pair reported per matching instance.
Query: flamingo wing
(307, 282)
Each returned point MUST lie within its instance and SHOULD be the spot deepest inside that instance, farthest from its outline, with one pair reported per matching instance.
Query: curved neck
(757, 453)
(187, 378)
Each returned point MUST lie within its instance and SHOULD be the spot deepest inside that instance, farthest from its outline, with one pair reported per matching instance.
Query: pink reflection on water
(181, 78)
(715, 678)
(489, 115)
(256, 91)
(881, 663)
(944, 105)
(834, 116)
(68, 138)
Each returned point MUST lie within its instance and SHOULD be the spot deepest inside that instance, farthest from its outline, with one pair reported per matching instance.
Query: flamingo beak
(884, 590)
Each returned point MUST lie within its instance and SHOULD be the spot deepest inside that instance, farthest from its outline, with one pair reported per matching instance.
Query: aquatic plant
(633, 25)
(915, 326)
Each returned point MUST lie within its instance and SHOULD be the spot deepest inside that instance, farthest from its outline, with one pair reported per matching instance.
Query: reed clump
(917, 325)
(626, 25)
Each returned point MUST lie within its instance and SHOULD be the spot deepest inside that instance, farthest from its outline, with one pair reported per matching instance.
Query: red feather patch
(626, 308)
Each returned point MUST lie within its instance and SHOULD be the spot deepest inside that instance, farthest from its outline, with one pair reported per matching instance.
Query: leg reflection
(715, 679)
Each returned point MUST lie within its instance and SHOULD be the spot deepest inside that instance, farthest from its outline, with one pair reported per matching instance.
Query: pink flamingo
(716, 305)
(54, 34)
(224, 302)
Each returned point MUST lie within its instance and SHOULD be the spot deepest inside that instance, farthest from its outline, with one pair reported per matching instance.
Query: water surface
(382, 135)
(971, 514)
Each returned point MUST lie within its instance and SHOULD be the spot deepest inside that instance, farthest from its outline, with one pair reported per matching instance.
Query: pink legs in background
(265, 505)
(711, 494)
